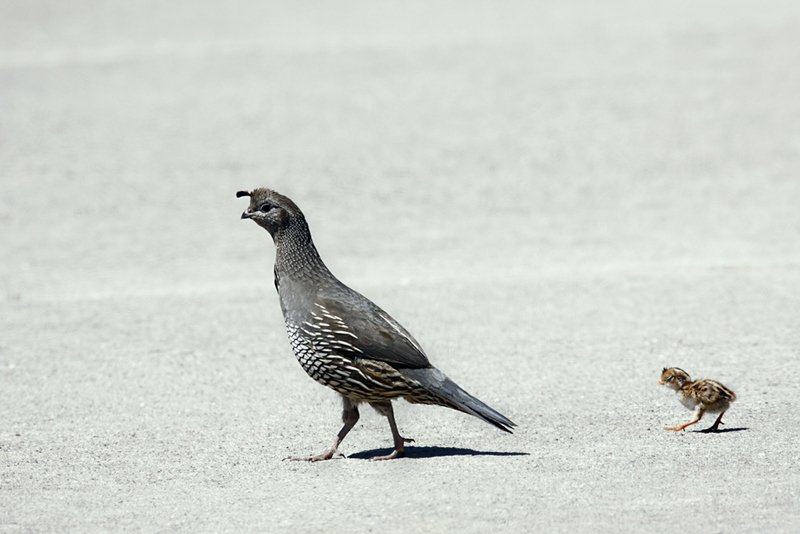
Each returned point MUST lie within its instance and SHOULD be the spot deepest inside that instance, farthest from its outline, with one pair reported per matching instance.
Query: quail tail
(453, 396)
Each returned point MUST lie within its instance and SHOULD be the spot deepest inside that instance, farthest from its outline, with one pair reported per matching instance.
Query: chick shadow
(432, 452)
(721, 430)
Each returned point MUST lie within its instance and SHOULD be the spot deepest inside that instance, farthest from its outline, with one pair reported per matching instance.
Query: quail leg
(399, 441)
(350, 418)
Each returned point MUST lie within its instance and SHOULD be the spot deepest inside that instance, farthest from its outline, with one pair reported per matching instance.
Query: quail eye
(265, 207)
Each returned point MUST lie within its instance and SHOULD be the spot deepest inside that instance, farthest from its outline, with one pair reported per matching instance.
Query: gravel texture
(557, 199)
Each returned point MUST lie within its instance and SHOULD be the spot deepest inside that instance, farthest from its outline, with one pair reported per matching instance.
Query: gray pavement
(556, 198)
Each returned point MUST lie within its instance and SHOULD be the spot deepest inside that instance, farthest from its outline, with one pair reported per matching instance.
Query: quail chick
(702, 396)
(342, 339)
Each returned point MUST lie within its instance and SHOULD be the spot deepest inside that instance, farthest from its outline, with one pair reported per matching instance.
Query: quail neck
(300, 273)
(296, 257)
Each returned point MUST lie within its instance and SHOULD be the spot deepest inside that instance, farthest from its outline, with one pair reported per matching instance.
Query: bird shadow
(721, 430)
(433, 452)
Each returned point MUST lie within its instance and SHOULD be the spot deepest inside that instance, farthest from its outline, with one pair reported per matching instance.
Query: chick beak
(660, 382)
(248, 213)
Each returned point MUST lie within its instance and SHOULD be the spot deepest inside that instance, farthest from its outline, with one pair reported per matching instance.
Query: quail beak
(248, 213)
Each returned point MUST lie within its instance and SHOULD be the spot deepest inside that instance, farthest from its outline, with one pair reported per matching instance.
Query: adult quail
(702, 396)
(345, 341)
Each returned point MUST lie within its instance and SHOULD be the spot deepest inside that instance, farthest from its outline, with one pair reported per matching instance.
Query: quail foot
(343, 340)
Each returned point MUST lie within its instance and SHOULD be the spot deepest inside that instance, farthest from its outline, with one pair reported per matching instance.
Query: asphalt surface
(557, 199)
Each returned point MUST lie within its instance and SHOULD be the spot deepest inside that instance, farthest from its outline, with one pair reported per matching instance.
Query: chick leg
(385, 408)
(350, 418)
(715, 426)
(682, 427)
(698, 414)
